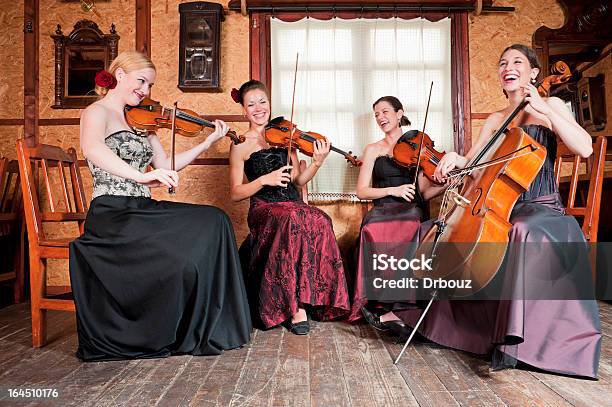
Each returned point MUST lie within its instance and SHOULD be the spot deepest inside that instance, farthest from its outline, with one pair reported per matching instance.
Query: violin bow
(297, 56)
(171, 190)
(416, 174)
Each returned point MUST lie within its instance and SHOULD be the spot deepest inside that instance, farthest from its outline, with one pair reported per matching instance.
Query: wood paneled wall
(604, 67)
(488, 34)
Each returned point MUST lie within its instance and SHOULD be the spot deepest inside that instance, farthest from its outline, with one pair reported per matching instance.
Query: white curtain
(344, 66)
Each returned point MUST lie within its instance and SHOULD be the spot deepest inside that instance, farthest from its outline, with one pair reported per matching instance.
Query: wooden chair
(65, 200)
(11, 226)
(589, 211)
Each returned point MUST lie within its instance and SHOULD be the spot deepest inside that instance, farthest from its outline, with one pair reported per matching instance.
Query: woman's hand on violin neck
(159, 177)
(278, 178)
(405, 191)
(536, 101)
(449, 162)
(320, 151)
(221, 129)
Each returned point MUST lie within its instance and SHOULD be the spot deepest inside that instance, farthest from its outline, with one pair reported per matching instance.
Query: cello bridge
(460, 200)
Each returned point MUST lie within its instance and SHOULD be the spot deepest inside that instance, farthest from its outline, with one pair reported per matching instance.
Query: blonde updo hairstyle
(128, 61)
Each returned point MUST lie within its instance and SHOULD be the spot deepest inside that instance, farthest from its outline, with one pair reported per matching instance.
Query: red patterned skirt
(291, 260)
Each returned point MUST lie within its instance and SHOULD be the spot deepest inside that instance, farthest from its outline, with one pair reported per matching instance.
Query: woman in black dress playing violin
(399, 194)
(293, 263)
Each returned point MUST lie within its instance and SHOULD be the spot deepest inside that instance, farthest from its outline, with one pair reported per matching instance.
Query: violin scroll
(352, 159)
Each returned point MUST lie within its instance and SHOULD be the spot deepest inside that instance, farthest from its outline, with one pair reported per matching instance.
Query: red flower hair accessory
(235, 95)
(105, 79)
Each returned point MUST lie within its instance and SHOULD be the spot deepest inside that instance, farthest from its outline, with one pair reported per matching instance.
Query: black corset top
(387, 173)
(544, 183)
(263, 162)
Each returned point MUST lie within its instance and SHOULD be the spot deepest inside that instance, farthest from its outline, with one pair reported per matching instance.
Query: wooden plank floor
(336, 365)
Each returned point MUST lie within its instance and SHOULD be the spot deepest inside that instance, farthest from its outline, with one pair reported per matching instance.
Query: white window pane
(345, 65)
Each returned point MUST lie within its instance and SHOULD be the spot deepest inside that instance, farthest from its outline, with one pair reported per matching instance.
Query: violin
(406, 152)
(407, 149)
(476, 206)
(151, 115)
(278, 134)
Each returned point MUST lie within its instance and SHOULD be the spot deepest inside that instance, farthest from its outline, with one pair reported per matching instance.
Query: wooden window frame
(260, 51)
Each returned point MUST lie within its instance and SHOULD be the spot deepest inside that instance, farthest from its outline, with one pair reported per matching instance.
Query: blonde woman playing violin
(149, 278)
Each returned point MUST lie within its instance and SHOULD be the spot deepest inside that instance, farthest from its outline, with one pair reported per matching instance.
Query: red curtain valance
(235, 4)
(365, 5)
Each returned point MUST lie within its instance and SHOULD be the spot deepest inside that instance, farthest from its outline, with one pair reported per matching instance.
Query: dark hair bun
(404, 121)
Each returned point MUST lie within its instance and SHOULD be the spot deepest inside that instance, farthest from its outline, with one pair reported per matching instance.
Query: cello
(476, 206)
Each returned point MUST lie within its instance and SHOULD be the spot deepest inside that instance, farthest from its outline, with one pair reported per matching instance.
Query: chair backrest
(589, 212)
(63, 199)
(10, 195)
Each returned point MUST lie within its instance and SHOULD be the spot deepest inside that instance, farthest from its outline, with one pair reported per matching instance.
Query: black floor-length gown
(154, 278)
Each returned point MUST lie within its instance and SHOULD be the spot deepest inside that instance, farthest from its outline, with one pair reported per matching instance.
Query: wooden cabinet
(199, 46)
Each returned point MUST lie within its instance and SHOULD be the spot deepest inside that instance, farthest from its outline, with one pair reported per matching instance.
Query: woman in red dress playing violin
(548, 317)
(392, 225)
(292, 261)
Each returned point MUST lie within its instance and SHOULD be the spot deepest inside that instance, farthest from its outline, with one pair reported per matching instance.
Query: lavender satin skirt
(561, 336)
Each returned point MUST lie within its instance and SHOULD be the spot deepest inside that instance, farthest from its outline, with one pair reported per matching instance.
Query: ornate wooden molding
(12, 122)
(85, 34)
(587, 30)
(143, 26)
(479, 115)
(460, 83)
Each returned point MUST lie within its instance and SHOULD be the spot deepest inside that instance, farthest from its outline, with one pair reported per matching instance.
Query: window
(344, 66)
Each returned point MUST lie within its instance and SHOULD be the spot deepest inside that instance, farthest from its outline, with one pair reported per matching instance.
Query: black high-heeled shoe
(397, 326)
(299, 328)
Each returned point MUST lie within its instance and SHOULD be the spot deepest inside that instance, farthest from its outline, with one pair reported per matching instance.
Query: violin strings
(499, 160)
(193, 118)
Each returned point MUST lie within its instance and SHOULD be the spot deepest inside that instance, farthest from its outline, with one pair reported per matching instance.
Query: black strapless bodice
(544, 183)
(263, 162)
(387, 173)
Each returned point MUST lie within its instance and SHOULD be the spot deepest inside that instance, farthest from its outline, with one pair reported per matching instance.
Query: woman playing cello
(555, 334)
